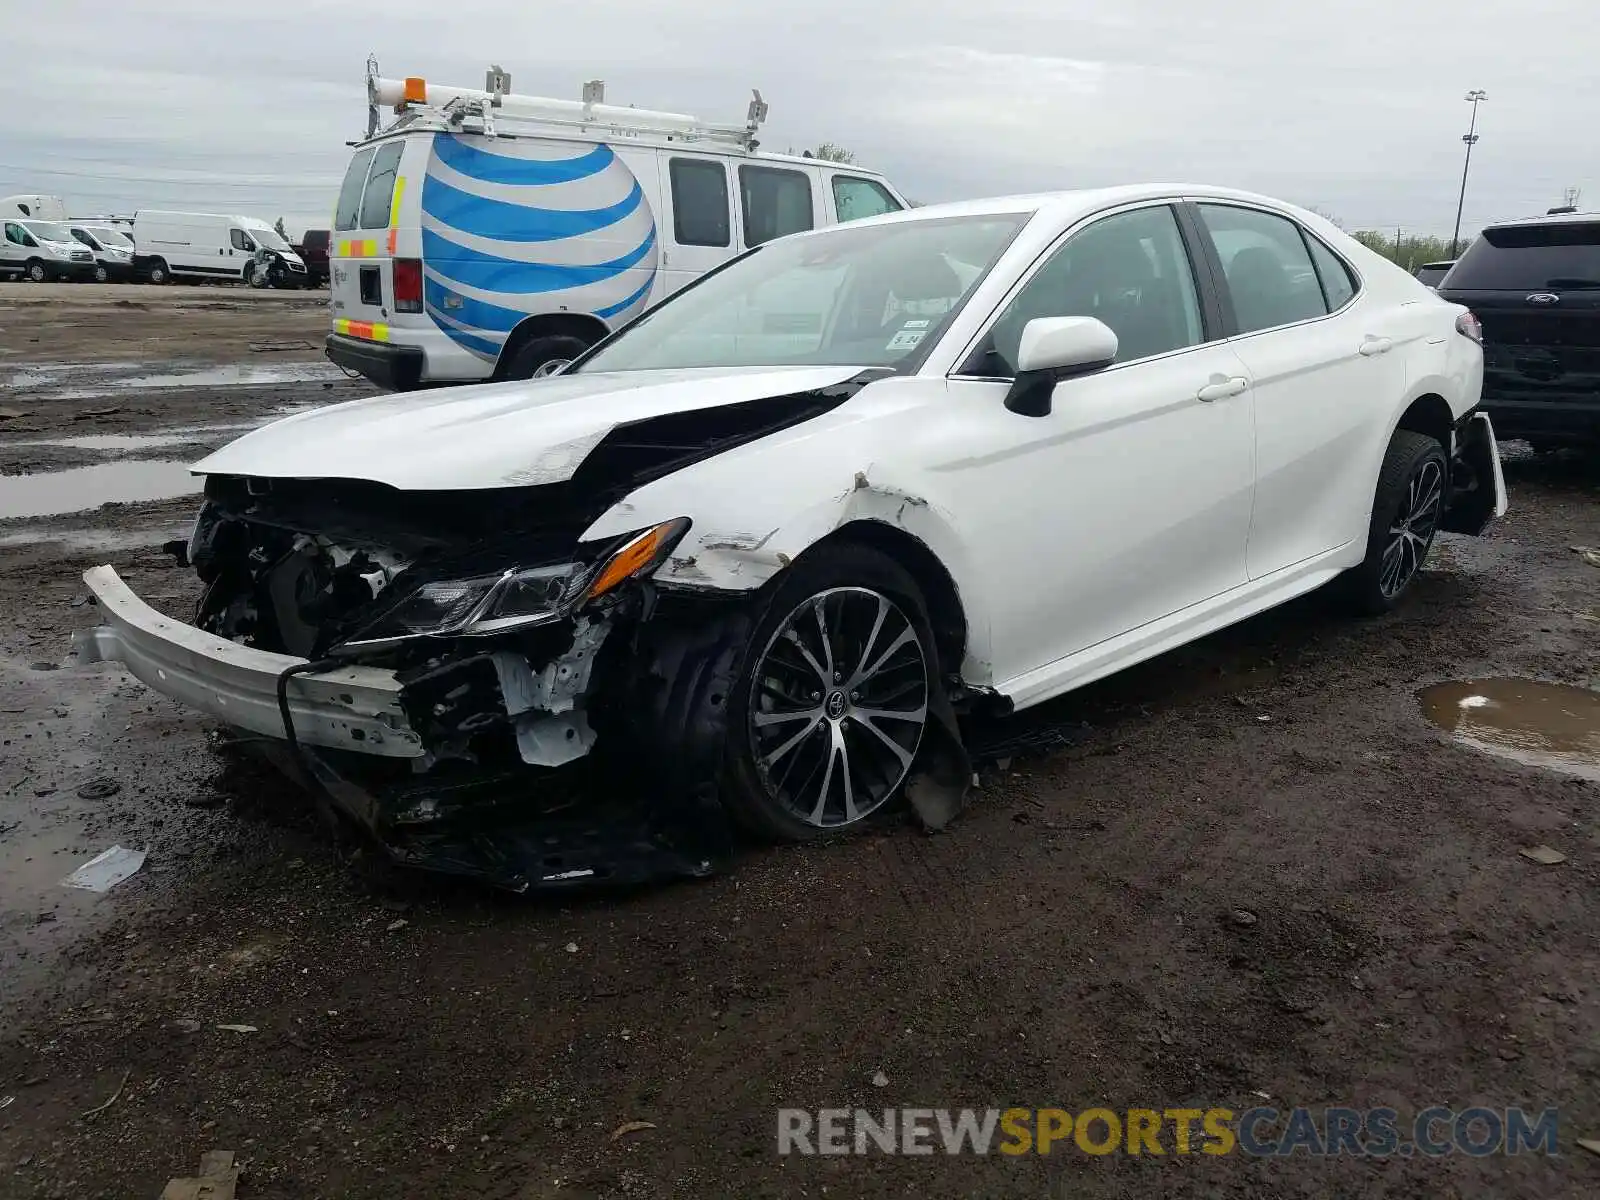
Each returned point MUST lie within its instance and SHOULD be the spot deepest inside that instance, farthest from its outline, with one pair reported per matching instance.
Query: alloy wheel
(838, 703)
(550, 367)
(1411, 532)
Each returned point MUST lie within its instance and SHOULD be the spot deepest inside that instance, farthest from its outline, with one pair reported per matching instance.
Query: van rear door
(364, 243)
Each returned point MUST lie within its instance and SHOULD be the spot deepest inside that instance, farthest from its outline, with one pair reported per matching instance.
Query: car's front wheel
(832, 698)
(1413, 489)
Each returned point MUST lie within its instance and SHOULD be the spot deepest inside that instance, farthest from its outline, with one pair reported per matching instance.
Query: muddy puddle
(98, 540)
(84, 381)
(51, 493)
(1550, 725)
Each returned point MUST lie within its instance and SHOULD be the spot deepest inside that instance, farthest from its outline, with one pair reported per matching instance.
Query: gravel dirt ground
(1076, 939)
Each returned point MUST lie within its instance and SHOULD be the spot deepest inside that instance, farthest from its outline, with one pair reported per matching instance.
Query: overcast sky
(1352, 106)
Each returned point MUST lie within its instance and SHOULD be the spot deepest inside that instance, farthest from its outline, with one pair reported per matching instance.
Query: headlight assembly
(517, 598)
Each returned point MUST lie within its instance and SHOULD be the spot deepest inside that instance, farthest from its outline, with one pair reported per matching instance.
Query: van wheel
(545, 356)
(157, 272)
(36, 271)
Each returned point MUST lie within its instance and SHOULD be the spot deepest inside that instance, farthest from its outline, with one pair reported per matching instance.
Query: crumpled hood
(491, 435)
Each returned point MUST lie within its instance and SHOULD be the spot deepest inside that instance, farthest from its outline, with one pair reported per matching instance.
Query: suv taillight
(408, 285)
(1468, 325)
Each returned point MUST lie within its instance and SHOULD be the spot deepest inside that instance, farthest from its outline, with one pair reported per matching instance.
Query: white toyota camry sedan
(768, 543)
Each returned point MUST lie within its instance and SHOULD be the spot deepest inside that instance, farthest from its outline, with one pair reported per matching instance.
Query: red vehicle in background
(313, 248)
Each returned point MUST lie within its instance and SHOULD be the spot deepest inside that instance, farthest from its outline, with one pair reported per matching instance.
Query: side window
(379, 198)
(775, 202)
(81, 236)
(1130, 271)
(348, 210)
(14, 233)
(1265, 262)
(700, 212)
(1338, 285)
(854, 198)
(240, 242)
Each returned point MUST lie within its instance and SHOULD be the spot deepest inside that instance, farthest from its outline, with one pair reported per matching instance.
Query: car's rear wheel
(157, 272)
(37, 272)
(830, 704)
(1413, 489)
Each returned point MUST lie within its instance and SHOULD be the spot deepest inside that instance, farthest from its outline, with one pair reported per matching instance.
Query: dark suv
(313, 251)
(1535, 286)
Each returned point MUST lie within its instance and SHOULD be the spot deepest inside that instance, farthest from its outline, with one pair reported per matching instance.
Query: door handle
(1223, 389)
(1376, 345)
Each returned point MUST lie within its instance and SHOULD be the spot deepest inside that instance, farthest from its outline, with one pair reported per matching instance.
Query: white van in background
(490, 235)
(41, 251)
(183, 245)
(112, 249)
(43, 208)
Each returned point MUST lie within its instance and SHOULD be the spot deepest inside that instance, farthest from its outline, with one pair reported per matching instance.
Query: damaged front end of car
(437, 665)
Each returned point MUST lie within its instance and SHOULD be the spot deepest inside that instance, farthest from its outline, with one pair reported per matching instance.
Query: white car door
(1326, 370)
(1131, 498)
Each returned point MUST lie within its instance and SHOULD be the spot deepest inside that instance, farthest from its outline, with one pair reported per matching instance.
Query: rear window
(380, 186)
(1531, 258)
(348, 211)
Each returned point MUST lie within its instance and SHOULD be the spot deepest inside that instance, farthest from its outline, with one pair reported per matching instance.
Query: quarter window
(854, 198)
(348, 211)
(1265, 262)
(1337, 284)
(1130, 271)
(700, 213)
(775, 202)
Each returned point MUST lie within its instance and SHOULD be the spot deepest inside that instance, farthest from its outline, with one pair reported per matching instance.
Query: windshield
(268, 238)
(868, 295)
(48, 231)
(109, 237)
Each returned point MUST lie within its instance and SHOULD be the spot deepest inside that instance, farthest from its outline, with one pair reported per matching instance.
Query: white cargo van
(43, 208)
(185, 245)
(490, 235)
(42, 250)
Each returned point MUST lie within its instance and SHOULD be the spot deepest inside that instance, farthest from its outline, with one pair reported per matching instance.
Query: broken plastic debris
(218, 1179)
(6, 1101)
(1545, 856)
(398, 924)
(239, 1028)
(1592, 1145)
(105, 870)
(628, 1127)
(572, 947)
(880, 1080)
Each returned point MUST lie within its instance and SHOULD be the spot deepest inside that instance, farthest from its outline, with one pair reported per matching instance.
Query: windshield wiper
(1570, 282)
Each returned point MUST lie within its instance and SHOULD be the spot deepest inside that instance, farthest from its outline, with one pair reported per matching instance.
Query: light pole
(1475, 97)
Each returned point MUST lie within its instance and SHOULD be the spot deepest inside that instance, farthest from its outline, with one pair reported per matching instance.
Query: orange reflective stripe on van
(371, 331)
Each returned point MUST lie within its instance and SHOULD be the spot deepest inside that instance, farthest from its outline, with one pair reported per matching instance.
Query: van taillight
(408, 285)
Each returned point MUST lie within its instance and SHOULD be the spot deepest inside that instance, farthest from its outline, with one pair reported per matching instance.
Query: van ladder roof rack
(420, 103)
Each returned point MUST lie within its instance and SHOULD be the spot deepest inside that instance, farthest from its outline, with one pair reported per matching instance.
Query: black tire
(36, 271)
(157, 272)
(846, 574)
(537, 356)
(1415, 476)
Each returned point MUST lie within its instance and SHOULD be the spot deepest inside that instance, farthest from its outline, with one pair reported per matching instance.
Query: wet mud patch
(135, 481)
(1553, 726)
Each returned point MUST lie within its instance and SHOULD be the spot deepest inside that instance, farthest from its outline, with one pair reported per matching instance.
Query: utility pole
(1474, 97)
(1397, 261)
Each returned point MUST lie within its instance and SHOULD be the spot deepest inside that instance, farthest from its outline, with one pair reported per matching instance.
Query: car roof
(1066, 206)
(1581, 218)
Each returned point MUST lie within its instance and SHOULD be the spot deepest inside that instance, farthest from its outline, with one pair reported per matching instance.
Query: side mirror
(1053, 349)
